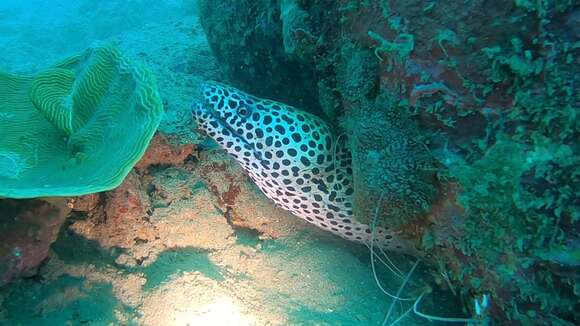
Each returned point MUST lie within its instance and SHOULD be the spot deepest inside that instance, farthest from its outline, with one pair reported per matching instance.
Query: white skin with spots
(290, 155)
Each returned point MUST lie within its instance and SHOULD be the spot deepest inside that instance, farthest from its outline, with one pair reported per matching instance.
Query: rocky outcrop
(27, 229)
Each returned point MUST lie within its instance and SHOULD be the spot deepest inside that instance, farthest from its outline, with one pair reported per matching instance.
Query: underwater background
(452, 125)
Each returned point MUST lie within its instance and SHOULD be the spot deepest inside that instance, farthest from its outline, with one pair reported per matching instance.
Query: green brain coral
(75, 128)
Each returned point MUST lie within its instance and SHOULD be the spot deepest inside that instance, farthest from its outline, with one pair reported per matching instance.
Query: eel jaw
(204, 115)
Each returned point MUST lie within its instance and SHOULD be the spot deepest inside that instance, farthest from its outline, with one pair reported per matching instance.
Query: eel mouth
(205, 110)
(206, 107)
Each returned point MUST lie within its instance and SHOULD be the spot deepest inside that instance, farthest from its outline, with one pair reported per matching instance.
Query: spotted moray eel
(291, 156)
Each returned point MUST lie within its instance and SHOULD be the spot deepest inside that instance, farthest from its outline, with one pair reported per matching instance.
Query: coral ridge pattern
(60, 126)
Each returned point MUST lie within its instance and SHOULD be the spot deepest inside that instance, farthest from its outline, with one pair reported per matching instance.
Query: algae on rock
(75, 128)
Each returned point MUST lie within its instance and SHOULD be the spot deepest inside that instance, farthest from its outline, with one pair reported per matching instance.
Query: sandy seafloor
(198, 269)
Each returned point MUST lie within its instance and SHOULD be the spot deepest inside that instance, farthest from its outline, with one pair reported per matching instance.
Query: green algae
(519, 180)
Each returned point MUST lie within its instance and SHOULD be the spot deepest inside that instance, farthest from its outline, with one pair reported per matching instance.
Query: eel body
(292, 156)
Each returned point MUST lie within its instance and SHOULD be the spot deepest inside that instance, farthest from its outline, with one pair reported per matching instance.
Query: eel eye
(244, 111)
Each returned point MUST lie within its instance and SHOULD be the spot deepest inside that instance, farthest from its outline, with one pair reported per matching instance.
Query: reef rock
(27, 229)
(162, 152)
(245, 37)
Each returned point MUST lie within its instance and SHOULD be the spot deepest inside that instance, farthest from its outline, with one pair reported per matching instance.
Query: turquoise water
(295, 135)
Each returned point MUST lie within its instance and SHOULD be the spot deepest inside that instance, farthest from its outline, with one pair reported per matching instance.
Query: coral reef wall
(245, 38)
(462, 122)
